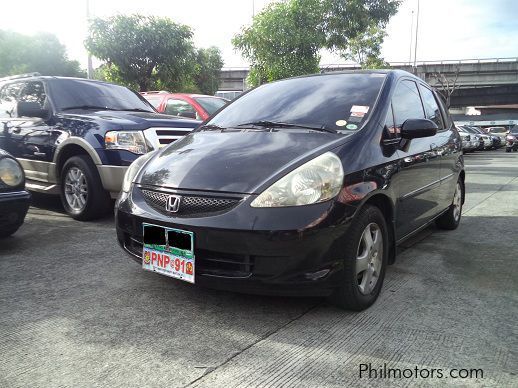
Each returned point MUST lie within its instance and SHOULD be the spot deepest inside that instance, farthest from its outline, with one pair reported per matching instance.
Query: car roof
(52, 77)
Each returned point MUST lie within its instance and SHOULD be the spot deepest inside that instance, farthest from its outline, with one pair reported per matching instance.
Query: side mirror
(416, 128)
(31, 109)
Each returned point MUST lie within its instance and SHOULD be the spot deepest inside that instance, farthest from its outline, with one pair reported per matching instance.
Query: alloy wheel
(369, 258)
(76, 189)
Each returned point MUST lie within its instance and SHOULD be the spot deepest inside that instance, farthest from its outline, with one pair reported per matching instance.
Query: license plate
(169, 252)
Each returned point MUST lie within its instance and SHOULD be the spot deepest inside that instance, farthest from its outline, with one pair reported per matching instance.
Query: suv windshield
(333, 101)
(72, 93)
(210, 104)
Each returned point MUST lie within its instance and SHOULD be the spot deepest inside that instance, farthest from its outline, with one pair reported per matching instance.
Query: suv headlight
(316, 181)
(11, 173)
(133, 141)
(133, 170)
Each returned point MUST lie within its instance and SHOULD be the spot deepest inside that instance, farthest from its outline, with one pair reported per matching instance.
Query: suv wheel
(82, 194)
(451, 219)
(365, 261)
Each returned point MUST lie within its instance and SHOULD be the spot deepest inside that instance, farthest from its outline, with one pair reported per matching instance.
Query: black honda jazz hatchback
(303, 186)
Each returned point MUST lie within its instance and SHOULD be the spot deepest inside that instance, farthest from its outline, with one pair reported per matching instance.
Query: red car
(194, 106)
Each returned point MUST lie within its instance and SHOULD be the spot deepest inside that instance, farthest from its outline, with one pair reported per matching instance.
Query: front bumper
(284, 251)
(112, 177)
(13, 208)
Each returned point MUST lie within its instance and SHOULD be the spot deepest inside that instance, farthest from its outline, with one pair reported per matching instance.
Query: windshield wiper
(87, 107)
(278, 124)
(212, 127)
(137, 110)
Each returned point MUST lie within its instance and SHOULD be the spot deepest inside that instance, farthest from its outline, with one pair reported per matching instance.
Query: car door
(28, 138)
(418, 179)
(449, 145)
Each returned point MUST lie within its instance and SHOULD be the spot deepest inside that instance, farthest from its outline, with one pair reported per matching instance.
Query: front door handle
(39, 154)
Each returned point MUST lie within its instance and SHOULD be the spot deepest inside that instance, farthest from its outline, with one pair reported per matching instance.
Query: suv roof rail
(155, 92)
(17, 76)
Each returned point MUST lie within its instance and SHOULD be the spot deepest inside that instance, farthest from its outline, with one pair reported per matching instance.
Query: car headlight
(133, 170)
(133, 141)
(11, 172)
(316, 181)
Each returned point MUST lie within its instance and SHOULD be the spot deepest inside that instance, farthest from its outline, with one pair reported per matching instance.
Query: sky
(448, 29)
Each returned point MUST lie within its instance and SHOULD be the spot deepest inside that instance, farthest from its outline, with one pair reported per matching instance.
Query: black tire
(98, 201)
(507, 150)
(9, 231)
(349, 296)
(451, 219)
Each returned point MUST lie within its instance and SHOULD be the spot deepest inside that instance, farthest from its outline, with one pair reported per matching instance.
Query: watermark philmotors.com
(369, 371)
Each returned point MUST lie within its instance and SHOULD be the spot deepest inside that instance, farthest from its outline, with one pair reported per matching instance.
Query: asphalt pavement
(75, 311)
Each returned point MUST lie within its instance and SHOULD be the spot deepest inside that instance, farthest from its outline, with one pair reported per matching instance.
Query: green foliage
(365, 49)
(145, 50)
(207, 68)
(283, 41)
(42, 53)
(285, 38)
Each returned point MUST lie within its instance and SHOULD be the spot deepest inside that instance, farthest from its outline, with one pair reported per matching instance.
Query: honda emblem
(173, 203)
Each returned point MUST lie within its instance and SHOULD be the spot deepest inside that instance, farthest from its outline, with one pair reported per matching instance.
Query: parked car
(194, 106)
(511, 143)
(303, 186)
(14, 199)
(486, 142)
(470, 142)
(77, 137)
(501, 132)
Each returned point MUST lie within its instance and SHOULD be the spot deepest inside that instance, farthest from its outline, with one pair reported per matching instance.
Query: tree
(207, 70)
(42, 53)
(365, 49)
(285, 39)
(145, 50)
(446, 84)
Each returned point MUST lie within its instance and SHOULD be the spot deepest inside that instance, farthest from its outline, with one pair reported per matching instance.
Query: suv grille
(164, 136)
(189, 205)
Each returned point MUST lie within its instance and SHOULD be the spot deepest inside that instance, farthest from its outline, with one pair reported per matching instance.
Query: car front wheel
(82, 194)
(365, 261)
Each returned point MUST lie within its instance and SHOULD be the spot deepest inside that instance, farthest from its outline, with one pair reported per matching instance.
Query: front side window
(431, 107)
(406, 103)
(34, 91)
(181, 108)
(341, 102)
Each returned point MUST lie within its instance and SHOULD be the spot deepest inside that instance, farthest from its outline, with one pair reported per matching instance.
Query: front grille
(189, 205)
(164, 136)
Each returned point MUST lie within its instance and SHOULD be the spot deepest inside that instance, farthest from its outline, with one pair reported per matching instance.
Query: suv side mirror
(416, 128)
(31, 109)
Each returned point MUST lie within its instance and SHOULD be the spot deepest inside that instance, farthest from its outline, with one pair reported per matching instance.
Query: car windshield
(338, 102)
(210, 104)
(77, 93)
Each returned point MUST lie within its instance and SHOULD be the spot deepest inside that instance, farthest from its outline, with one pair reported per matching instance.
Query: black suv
(76, 137)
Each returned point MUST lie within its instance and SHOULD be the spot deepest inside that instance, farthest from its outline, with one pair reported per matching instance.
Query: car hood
(133, 120)
(236, 162)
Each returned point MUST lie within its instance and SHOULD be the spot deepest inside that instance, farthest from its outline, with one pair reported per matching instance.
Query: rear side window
(406, 103)
(431, 107)
(9, 95)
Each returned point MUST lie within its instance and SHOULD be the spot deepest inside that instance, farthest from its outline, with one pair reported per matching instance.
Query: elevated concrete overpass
(492, 81)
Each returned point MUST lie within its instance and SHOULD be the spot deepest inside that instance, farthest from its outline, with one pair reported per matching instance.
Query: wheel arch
(386, 206)
(73, 147)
